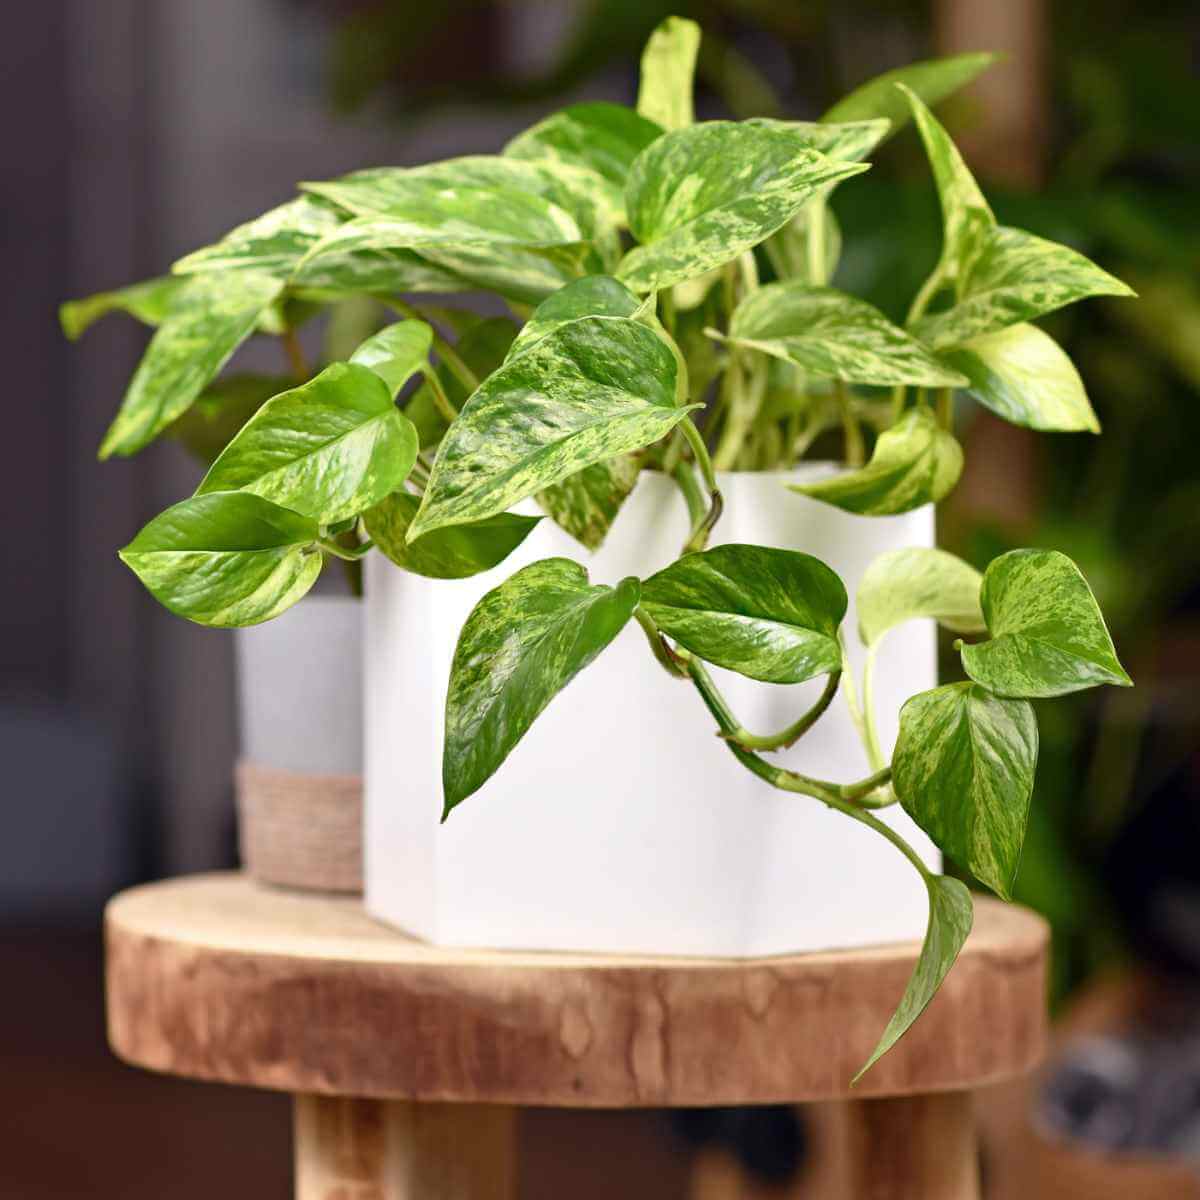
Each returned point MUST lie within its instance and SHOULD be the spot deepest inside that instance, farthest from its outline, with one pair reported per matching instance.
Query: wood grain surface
(216, 977)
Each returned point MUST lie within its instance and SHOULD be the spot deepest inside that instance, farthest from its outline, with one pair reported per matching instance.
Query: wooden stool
(407, 1061)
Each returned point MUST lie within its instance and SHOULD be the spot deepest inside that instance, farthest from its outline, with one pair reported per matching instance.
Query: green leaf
(586, 504)
(396, 353)
(521, 645)
(207, 321)
(594, 388)
(1048, 636)
(830, 333)
(848, 141)
(668, 71)
(148, 301)
(918, 581)
(932, 81)
(328, 449)
(1023, 375)
(787, 250)
(963, 769)
(374, 271)
(950, 917)
(699, 197)
(592, 296)
(769, 614)
(603, 138)
(227, 559)
(1015, 277)
(914, 463)
(966, 217)
(454, 553)
(221, 410)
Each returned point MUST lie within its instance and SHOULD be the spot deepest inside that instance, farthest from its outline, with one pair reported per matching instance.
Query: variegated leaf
(456, 552)
(521, 645)
(148, 301)
(227, 559)
(932, 81)
(769, 614)
(918, 581)
(847, 141)
(830, 333)
(586, 504)
(328, 449)
(699, 197)
(221, 410)
(208, 319)
(594, 388)
(1048, 636)
(951, 914)
(668, 71)
(1015, 277)
(914, 463)
(396, 353)
(1023, 375)
(963, 769)
(592, 296)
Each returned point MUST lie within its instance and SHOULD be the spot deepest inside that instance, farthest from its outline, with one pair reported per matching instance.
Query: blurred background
(135, 131)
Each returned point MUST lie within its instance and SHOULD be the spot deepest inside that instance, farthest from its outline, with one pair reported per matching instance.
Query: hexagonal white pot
(620, 823)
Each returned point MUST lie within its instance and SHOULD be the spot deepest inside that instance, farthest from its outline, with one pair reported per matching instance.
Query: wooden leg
(348, 1149)
(911, 1148)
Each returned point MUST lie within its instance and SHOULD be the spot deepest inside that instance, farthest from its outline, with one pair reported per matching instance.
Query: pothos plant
(672, 283)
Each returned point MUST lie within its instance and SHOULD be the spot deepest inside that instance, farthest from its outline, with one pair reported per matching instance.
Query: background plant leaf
(586, 504)
(396, 353)
(221, 410)
(918, 581)
(668, 73)
(148, 301)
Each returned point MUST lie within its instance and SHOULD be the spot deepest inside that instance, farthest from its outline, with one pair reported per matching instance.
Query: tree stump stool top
(215, 977)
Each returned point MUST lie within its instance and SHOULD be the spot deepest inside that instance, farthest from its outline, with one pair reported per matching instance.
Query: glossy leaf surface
(1048, 636)
(456, 552)
(769, 614)
(328, 449)
(396, 353)
(148, 301)
(228, 559)
(848, 141)
(592, 296)
(914, 463)
(830, 333)
(668, 71)
(586, 504)
(221, 410)
(207, 321)
(951, 914)
(963, 769)
(594, 388)
(699, 197)
(521, 645)
(918, 581)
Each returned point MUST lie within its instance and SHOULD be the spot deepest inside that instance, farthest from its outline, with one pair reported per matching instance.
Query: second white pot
(620, 823)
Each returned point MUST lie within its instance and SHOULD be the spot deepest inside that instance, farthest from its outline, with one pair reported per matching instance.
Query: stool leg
(912, 1148)
(348, 1149)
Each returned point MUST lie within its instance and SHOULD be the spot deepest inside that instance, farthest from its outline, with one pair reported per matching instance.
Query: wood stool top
(215, 977)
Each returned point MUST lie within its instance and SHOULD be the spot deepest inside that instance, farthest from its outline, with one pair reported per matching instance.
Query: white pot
(620, 823)
(300, 688)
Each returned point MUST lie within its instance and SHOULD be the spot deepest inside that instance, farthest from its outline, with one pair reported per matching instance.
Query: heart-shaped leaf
(592, 296)
(951, 914)
(932, 81)
(699, 197)
(594, 388)
(1048, 636)
(1023, 375)
(830, 333)
(521, 645)
(603, 138)
(963, 769)
(148, 301)
(454, 553)
(328, 449)
(586, 504)
(396, 353)
(206, 322)
(1015, 277)
(221, 410)
(668, 69)
(914, 463)
(769, 614)
(918, 581)
(227, 559)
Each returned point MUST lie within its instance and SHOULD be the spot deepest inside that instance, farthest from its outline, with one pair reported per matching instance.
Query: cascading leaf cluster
(671, 310)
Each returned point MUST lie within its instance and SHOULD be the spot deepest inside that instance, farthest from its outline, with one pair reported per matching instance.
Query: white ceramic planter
(620, 823)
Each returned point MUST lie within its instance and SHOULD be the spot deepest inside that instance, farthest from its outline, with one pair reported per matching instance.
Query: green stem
(667, 658)
(440, 400)
(856, 713)
(446, 351)
(345, 553)
(856, 450)
(921, 300)
(874, 754)
(815, 243)
(945, 408)
(666, 304)
(700, 450)
(794, 732)
(700, 534)
(685, 477)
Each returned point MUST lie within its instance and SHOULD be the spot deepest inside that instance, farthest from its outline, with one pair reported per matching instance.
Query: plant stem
(945, 408)
(295, 355)
(345, 553)
(666, 303)
(667, 658)
(794, 732)
(699, 539)
(446, 352)
(856, 451)
(685, 477)
(700, 450)
(856, 714)
(815, 243)
(874, 754)
(440, 400)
